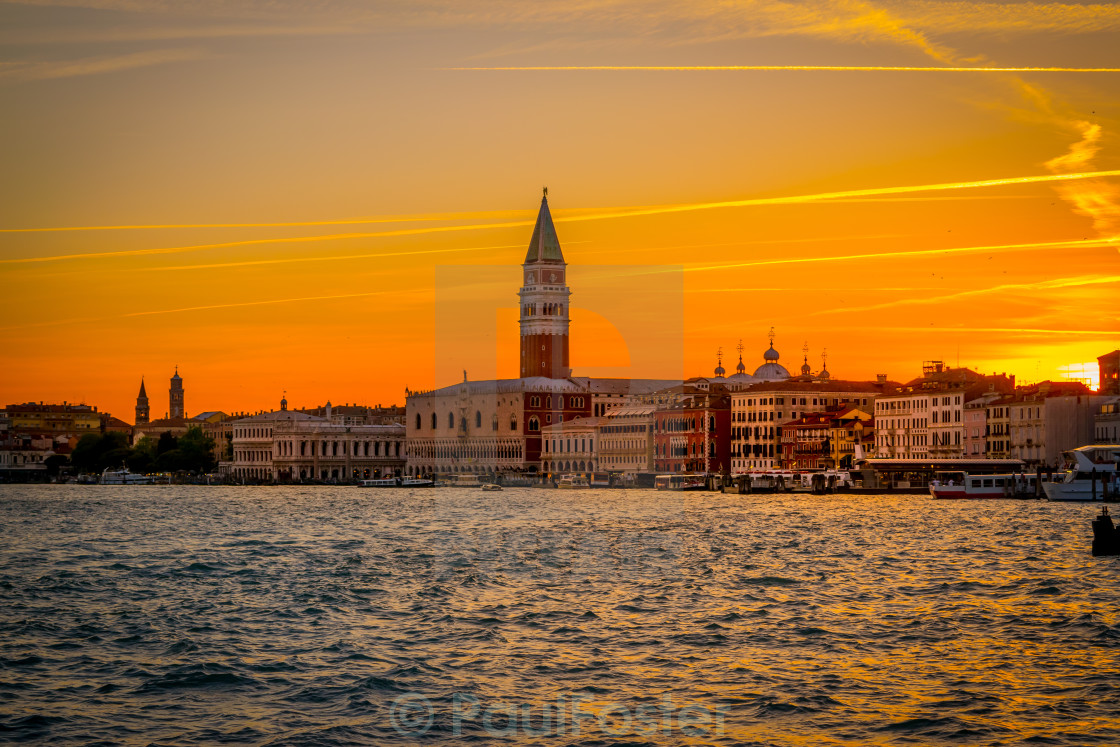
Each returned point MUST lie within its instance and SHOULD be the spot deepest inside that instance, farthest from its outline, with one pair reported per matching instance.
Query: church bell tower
(143, 412)
(544, 303)
(175, 394)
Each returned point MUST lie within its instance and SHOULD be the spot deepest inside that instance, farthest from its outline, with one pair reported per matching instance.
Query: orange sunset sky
(289, 196)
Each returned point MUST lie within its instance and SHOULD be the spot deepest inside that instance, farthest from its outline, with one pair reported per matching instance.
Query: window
(417, 421)
(513, 422)
(433, 421)
(534, 424)
(477, 419)
(450, 420)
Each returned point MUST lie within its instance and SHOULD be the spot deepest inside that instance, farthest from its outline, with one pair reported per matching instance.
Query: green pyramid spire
(544, 246)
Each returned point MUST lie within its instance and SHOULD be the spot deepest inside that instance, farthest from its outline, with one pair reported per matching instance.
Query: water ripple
(336, 616)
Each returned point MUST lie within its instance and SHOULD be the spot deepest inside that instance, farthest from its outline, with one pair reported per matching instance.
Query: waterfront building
(569, 446)
(487, 426)
(805, 442)
(288, 445)
(65, 419)
(355, 414)
(758, 412)
(1106, 423)
(1109, 377)
(1049, 418)
(694, 433)
(997, 442)
(176, 404)
(976, 428)
(24, 458)
(848, 429)
(825, 440)
(143, 411)
(925, 418)
(625, 439)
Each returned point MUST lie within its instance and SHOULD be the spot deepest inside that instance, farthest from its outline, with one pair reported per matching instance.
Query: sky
(331, 199)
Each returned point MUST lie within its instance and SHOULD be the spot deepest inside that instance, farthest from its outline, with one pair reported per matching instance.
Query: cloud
(607, 215)
(1079, 281)
(50, 69)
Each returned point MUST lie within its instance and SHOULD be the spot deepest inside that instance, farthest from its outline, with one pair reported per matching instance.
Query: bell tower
(175, 394)
(143, 412)
(544, 302)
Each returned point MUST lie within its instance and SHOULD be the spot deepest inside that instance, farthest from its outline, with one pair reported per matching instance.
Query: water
(333, 616)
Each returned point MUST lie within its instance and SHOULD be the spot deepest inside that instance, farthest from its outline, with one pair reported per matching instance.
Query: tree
(55, 462)
(95, 452)
(167, 442)
(196, 450)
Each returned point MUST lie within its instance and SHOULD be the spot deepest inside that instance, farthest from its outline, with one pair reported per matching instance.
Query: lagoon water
(174, 615)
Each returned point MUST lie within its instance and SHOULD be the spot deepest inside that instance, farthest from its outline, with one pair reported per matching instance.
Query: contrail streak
(625, 213)
(1070, 282)
(791, 68)
(241, 304)
(907, 253)
(291, 224)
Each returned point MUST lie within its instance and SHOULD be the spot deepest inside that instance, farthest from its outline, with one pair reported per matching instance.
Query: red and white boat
(963, 485)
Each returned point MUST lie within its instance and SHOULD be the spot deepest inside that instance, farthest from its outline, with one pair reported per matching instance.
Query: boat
(568, 482)
(1090, 475)
(491, 486)
(681, 481)
(123, 476)
(961, 485)
(396, 482)
(601, 480)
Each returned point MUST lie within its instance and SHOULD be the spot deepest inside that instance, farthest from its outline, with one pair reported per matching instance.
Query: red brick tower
(544, 303)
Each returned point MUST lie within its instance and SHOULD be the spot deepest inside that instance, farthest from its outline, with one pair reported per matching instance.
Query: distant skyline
(265, 193)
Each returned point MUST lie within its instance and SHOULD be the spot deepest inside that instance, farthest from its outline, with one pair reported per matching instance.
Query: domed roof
(771, 354)
(824, 374)
(771, 372)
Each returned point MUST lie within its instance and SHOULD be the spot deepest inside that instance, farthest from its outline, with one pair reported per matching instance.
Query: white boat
(962, 485)
(1090, 475)
(679, 481)
(491, 486)
(568, 482)
(123, 476)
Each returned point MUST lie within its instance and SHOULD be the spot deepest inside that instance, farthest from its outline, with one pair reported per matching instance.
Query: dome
(771, 372)
(805, 369)
(824, 374)
(771, 354)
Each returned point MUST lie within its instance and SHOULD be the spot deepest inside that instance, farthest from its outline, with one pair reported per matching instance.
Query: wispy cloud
(622, 213)
(212, 307)
(789, 68)
(1079, 281)
(50, 69)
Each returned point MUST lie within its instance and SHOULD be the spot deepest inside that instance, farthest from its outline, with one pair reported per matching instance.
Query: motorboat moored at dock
(1090, 475)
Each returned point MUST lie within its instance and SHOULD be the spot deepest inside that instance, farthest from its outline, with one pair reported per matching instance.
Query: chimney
(880, 378)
